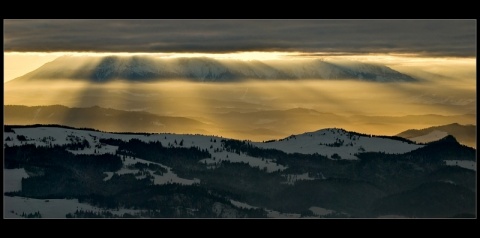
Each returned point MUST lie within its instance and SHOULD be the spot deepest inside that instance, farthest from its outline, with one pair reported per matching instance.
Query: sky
(30, 43)
(425, 37)
(440, 52)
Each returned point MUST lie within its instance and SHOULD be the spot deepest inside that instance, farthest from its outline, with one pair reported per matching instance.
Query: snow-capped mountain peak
(146, 68)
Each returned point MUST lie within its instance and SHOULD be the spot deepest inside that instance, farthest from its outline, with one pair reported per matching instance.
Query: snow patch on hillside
(276, 214)
(165, 178)
(292, 178)
(319, 211)
(467, 164)
(103, 149)
(242, 204)
(270, 213)
(263, 164)
(51, 208)
(12, 179)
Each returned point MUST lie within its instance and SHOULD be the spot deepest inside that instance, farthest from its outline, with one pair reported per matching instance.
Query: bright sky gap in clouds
(422, 37)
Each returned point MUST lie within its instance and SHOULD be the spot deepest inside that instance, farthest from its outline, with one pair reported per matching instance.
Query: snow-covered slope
(141, 68)
(329, 142)
(44, 136)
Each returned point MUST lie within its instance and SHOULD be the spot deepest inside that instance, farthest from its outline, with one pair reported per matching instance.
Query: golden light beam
(448, 87)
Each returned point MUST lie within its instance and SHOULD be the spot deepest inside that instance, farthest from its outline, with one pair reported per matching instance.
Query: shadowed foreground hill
(439, 199)
(175, 175)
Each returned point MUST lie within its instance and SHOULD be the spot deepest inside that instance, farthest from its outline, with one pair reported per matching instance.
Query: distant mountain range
(257, 125)
(102, 119)
(465, 134)
(202, 69)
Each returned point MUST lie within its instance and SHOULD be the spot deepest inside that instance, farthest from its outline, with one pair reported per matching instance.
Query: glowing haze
(445, 69)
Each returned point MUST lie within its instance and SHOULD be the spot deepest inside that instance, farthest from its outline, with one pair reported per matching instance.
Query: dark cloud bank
(427, 37)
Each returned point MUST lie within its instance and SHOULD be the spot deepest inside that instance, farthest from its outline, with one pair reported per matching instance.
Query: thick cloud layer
(427, 37)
